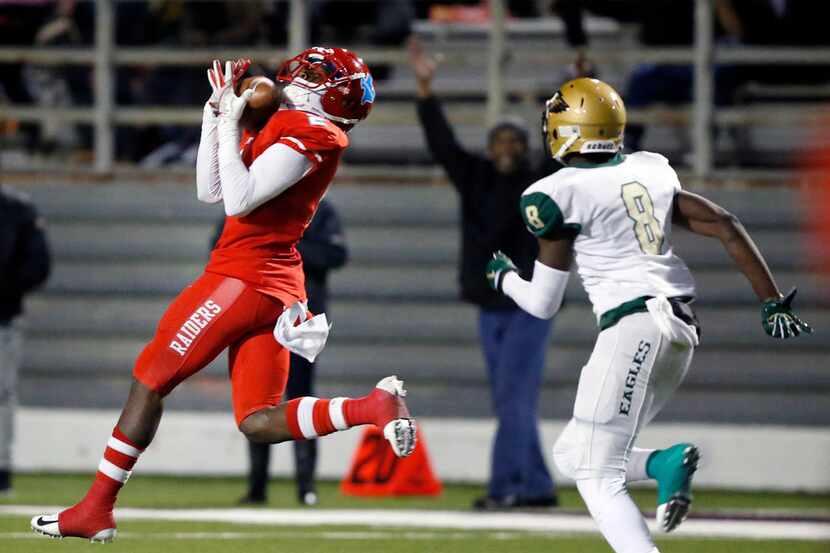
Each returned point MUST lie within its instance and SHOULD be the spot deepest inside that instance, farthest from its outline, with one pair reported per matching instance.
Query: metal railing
(106, 56)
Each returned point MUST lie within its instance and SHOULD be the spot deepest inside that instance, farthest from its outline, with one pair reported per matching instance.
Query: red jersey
(260, 248)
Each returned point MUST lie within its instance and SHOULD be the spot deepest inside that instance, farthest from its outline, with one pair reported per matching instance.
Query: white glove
(222, 81)
(231, 106)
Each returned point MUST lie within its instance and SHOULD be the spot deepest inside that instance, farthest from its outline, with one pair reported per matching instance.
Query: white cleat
(683, 462)
(47, 525)
(398, 426)
(401, 435)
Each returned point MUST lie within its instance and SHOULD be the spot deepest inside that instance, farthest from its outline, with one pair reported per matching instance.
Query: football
(262, 105)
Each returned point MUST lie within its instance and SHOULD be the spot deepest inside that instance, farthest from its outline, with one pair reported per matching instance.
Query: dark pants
(514, 345)
(300, 384)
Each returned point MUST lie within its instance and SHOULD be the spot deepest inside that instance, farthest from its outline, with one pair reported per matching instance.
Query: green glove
(778, 319)
(497, 269)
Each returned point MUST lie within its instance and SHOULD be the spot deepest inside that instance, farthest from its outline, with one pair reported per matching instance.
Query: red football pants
(214, 313)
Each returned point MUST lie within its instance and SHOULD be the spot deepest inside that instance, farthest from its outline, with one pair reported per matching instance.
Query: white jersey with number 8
(620, 214)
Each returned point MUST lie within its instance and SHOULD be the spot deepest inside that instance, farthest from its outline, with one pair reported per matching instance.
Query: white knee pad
(597, 492)
(588, 450)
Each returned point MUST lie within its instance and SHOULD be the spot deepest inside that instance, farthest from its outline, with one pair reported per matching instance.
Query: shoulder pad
(318, 133)
(652, 156)
(543, 216)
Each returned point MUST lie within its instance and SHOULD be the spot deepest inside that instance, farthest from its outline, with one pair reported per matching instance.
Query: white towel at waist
(308, 338)
(671, 326)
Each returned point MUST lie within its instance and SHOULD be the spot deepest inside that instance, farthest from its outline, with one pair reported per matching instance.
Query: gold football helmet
(585, 116)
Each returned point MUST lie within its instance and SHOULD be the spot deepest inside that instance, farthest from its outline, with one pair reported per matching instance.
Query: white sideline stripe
(336, 413)
(122, 447)
(457, 520)
(113, 471)
(305, 417)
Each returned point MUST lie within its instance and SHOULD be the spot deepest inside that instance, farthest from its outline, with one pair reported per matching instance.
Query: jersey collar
(616, 160)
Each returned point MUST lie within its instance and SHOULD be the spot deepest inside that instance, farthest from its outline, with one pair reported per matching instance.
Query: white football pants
(632, 373)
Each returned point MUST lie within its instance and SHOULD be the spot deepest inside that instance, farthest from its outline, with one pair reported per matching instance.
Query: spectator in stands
(20, 21)
(49, 23)
(24, 265)
(390, 20)
(516, 8)
(778, 23)
(323, 249)
(663, 23)
(376, 22)
(513, 342)
(191, 24)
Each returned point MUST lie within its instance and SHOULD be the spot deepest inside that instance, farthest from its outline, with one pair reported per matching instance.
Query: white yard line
(341, 535)
(454, 520)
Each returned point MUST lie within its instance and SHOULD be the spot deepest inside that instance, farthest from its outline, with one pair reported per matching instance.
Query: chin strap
(298, 97)
(567, 144)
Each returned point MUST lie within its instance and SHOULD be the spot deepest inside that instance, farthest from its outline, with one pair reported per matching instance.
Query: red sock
(310, 417)
(94, 512)
(364, 410)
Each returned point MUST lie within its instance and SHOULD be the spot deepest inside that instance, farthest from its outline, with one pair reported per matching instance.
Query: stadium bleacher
(122, 256)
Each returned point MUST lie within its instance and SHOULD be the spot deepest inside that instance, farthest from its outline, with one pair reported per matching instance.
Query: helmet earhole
(555, 134)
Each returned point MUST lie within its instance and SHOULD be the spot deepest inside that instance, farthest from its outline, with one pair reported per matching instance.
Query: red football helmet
(333, 81)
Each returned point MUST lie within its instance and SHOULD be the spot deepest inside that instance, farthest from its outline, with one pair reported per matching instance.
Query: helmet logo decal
(368, 86)
(598, 146)
(557, 103)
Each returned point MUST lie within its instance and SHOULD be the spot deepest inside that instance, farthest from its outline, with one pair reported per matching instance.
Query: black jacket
(24, 253)
(322, 248)
(490, 217)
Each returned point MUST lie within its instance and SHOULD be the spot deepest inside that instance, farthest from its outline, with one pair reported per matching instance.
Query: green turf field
(185, 492)
(142, 536)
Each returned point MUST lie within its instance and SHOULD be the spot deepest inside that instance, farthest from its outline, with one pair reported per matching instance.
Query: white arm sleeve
(271, 174)
(542, 295)
(208, 189)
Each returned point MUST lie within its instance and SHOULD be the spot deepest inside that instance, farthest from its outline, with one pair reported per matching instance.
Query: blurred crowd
(179, 23)
(166, 23)
(667, 23)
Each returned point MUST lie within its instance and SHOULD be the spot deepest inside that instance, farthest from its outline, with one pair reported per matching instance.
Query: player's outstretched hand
(423, 65)
(779, 321)
(497, 268)
(221, 81)
(231, 106)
